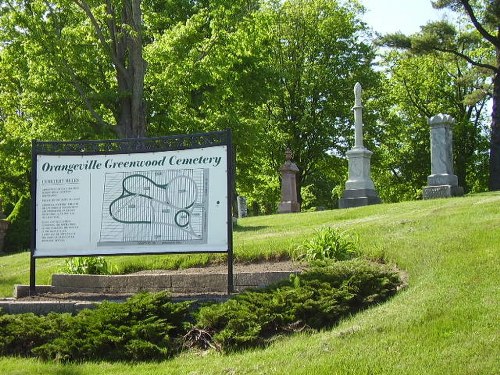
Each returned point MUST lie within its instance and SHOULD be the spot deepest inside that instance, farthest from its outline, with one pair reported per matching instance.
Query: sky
(389, 16)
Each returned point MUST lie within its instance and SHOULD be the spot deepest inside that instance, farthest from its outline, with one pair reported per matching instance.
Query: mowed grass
(445, 322)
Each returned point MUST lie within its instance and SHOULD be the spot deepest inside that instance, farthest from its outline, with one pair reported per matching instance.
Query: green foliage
(274, 73)
(145, 327)
(316, 299)
(21, 334)
(327, 172)
(328, 243)
(87, 266)
(18, 232)
(150, 327)
(474, 48)
(310, 43)
(308, 198)
(418, 88)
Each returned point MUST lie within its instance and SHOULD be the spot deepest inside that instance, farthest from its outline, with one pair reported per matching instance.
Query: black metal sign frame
(134, 146)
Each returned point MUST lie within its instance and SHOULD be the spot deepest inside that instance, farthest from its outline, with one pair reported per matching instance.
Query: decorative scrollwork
(135, 145)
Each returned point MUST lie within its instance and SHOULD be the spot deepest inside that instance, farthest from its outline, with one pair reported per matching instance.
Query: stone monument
(359, 188)
(4, 225)
(242, 206)
(442, 183)
(289, 172)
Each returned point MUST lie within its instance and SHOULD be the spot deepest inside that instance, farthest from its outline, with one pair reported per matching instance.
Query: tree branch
(414, 99)
(63, 67)
(486, 35)
(467, 58)
(100, 35)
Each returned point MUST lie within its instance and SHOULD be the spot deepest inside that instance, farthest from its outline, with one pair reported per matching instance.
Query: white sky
(389, 16)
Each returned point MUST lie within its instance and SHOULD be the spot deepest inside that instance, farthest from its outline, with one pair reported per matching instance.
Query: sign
(132, 196)
(173, 201)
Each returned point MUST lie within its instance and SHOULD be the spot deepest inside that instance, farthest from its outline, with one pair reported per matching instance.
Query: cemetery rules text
(154, 202)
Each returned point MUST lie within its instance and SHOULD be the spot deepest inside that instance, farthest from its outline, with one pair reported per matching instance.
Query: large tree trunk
(131, 122)
(123, 40)
(494, 182)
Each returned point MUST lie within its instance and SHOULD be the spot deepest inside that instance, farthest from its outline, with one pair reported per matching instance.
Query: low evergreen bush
(146, 327)
(21, 334)
(316, 299)
(149, 326)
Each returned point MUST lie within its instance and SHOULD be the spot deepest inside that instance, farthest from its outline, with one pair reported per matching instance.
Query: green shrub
(21, 334)
(149, 326)
(146, 327)
(328, 243)
(369, 282)
(87, 266)
(316, 299)
(17, 237)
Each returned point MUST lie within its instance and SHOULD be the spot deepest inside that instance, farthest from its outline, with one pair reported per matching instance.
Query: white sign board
(155, 202)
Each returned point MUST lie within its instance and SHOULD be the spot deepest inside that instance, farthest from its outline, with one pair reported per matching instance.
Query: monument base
(440, 179)
(287, 207)
(442, 191)
(358, 198)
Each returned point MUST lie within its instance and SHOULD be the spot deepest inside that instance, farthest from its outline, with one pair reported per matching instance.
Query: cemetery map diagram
(155, 207)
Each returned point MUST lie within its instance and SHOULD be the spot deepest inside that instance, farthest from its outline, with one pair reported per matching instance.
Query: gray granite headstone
(442, 183)
(242, 206)
(4, 225)
(289, 172)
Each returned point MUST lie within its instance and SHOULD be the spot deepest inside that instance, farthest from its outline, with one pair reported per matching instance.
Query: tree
(206, 73)
(484, 16)
(415, 89)
(70, 69)
(280, 75)
(120, 35)
(316, 54)
(96, 48)
(36, 102)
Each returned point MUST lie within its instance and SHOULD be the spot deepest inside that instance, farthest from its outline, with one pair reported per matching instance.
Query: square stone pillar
(242, 206)
(289, 171)
(441, 183)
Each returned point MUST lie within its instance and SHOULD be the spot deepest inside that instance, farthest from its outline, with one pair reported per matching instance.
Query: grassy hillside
(445, 322)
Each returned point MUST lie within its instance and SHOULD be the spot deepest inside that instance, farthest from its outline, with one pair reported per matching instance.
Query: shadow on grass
(7, 285)
(238, 228)
(5, 253)
(10, 280)
(67, 371)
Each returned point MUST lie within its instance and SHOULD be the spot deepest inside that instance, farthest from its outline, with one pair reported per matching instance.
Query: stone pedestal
(359, 188)
(289, 206)
(289, 171)
(442, 191)
(441, 183)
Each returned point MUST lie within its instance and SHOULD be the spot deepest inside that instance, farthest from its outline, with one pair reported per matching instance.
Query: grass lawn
(445, 322)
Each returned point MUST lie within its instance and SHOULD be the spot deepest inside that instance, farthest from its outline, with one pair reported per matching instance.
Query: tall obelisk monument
(359, 188)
